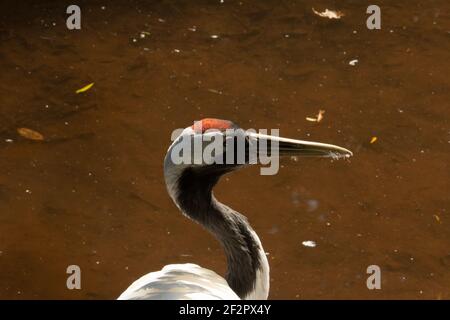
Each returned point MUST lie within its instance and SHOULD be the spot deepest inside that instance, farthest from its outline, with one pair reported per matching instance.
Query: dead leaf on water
(318, 118)
(30, 134)
(320, 115)
(85, 88)
(330, 14)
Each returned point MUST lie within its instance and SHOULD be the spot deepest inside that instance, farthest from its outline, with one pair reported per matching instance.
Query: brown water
(92, 193)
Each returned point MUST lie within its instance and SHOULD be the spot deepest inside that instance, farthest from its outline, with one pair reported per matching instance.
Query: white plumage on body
(180, 282)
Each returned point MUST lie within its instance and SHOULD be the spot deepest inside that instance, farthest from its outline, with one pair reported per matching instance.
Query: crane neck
(247, 265)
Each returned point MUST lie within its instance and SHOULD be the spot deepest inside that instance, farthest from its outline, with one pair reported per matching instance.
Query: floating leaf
(30, 134)
(373, 140)
(329, 14)
(318, 118)
(85, 88)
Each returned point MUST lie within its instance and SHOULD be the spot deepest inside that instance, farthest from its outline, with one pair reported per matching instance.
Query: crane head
(221, 145)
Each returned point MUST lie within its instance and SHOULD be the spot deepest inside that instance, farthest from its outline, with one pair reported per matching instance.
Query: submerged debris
(30, 134)
(143, 34)
(330, 14)
(438, 219)
(215, 91)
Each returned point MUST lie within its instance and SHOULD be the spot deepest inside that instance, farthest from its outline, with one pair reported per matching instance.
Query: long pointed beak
(292, 147)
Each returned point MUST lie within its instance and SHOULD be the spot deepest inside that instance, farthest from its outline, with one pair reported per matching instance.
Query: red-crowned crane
(190, 186)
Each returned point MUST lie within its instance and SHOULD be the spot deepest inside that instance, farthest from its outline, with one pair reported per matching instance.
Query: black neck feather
(195, 198)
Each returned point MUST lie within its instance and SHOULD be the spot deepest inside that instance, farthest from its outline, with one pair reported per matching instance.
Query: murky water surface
(92, 193)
